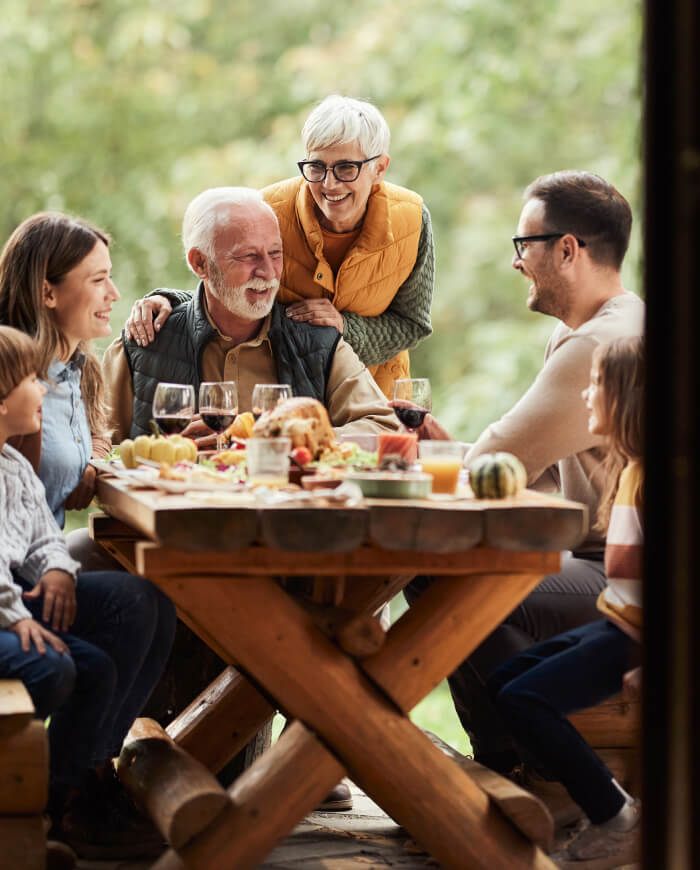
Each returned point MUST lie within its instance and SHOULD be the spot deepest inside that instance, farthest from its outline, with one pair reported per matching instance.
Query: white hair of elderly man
(208, 210)
(341, 120)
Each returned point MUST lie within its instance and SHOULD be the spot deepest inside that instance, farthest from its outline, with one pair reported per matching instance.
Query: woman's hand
(317, 312)
(30, 631)
(84, 492)
(141, 325)
(58, 589)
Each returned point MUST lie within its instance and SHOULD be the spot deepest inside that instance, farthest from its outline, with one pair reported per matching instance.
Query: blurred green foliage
(122, 111)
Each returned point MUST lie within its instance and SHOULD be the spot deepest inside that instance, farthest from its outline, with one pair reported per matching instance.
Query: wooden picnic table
(322, 660)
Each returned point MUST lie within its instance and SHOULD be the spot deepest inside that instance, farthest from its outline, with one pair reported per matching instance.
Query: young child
(537, 689)
(89, 647)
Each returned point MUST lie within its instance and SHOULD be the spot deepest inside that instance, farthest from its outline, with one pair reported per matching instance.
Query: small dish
(396, 484)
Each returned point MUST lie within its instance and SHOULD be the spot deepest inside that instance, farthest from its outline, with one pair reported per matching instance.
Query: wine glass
(173, 407)
(266, 397)
(412, 401)
(218, 407)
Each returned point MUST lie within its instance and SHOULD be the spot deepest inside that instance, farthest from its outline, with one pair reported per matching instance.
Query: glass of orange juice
(442, 459)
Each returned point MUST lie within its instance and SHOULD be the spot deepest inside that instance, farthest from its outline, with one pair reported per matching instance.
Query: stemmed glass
(218, 407)
(412, 401)
(173, 407)
(266, 397)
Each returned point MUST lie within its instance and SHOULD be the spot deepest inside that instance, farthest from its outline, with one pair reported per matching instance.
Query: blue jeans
(537, 689)
(559, 603)
(119, 644)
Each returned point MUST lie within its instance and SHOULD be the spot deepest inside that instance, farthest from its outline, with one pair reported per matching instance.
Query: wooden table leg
(267, 800)
(383, 751)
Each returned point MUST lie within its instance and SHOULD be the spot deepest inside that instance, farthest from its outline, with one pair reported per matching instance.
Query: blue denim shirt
(66, 443)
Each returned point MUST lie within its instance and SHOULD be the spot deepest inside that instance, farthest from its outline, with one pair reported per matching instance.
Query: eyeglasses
(519, 242)
(347, 170)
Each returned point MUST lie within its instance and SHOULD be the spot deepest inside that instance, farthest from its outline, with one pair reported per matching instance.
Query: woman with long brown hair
(56, 286)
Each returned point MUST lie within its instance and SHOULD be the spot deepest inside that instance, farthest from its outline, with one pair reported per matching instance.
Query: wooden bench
(24, 780)
(612, 729)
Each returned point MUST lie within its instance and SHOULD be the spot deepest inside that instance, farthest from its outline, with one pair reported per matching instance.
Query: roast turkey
(303, 420)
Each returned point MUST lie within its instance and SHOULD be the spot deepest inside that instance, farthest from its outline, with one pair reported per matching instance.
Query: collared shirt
(66, 444)
(354, 402)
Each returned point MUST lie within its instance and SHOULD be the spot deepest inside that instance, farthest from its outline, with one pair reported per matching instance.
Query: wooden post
(180, 795)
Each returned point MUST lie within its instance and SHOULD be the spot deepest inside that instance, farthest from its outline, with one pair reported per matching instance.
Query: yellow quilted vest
(374, 268)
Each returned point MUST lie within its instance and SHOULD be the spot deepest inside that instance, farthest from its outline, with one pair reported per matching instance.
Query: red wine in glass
(218, 407)
(172, 424)
(173, 407)
(218, 420)
(412, 418)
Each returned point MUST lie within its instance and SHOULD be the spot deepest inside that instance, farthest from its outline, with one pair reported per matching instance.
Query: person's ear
(49, 294)
(381, 166)
(198, 262)
(570, 249)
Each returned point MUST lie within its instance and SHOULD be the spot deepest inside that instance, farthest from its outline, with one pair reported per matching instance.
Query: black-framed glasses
(520, 241)
(345, 170)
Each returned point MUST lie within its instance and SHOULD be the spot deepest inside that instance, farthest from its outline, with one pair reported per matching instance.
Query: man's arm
(406, 322)
(550, 422)
(119, 391)
(355, 403)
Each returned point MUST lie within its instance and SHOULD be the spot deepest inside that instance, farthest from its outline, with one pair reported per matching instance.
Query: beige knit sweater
(548, 428)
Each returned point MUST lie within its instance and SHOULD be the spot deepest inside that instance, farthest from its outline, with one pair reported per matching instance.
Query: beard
(234, 298)
(549, 294)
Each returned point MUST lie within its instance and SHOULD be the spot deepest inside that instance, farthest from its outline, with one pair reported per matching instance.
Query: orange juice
(445, 472)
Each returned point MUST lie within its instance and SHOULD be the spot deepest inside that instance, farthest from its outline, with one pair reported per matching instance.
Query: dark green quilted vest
(303, 356)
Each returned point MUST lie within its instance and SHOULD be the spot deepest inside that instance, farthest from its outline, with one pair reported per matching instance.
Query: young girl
(89, 647)
(536, 690)
(56, 285)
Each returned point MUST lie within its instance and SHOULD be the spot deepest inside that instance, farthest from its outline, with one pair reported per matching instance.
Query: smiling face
(81, 302)
(20, 410)
(594, 397)
(548, 292)
(244, 274)
(341, 205)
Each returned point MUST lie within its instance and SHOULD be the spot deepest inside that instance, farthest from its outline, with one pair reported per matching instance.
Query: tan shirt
(548, 428)
(355, 403)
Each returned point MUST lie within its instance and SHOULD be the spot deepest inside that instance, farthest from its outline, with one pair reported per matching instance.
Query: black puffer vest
(303, 356)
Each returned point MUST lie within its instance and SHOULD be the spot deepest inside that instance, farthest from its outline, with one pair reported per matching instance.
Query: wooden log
(362, 635)
(267, 800)
(24, 770)
(613, 723)
(179, 794)
(22, 843)
(222, 720)
(439, 631)
(380, 747)
(16, 707)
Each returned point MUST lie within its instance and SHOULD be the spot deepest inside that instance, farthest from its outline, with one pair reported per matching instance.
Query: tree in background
(122, 111)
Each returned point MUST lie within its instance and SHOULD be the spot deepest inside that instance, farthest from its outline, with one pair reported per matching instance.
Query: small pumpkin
(497, 475)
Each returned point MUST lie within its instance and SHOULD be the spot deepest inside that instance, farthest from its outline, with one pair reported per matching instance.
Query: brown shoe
(337, 800)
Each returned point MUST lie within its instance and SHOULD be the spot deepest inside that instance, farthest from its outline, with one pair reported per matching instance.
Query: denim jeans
(119, 644)
(536, 690)
(560, 602)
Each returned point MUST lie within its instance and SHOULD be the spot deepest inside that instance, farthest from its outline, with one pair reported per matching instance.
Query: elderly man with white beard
(232, 329)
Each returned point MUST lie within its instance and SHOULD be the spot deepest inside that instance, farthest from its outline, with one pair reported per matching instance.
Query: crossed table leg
(355, 709)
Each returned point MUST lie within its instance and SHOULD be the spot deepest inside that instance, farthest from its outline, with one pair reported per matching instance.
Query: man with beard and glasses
(232, 329)
(572, 237)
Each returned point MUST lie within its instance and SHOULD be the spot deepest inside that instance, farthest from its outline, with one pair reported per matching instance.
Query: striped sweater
(622, 598)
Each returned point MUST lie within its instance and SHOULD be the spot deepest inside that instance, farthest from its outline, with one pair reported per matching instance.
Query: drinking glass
(173, 407)
(412, 401)
(442, 459)
(218, 406)
(268, 460)
(266, 397)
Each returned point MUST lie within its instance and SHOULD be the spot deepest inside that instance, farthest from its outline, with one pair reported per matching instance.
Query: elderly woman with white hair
(358, 251)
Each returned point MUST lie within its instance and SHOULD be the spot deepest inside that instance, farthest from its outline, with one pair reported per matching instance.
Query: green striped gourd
(497, 475)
